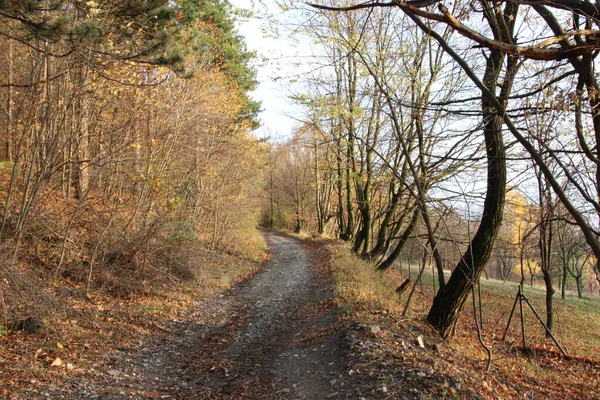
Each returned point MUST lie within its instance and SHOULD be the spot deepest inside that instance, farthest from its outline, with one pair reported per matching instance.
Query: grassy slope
(458, 368)
(88, 328)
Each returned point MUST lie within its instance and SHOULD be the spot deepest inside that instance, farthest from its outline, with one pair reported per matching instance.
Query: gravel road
(275, 336)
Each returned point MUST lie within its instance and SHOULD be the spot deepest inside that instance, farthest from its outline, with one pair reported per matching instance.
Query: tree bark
(382, 244)
(545, 243)
(389, 261)
(563, 286)
(549, 300)
(450, 301)
(9, 104)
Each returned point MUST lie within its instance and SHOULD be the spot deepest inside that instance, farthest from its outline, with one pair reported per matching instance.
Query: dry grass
(92, 305)
(93, 325)
(359, 286)
(457, 369)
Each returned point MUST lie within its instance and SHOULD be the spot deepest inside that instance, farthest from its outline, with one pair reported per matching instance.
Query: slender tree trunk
(362, 238)
(350, 158)
(389, 261)
(341, 217)
(83, 174)
(563, 287)
(382, 244)
(271, 198)
(318, 208)
(298, 226)
(545, 243)
(349, 176)
(9, 104)
(437, 256)
(549, 300)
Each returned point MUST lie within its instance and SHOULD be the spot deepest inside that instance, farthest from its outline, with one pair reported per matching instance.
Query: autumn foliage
(113, 163)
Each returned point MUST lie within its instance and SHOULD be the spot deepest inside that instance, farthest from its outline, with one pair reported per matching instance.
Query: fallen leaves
(408, 359)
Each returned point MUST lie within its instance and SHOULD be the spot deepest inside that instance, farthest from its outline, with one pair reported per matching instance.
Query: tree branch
(536, 52)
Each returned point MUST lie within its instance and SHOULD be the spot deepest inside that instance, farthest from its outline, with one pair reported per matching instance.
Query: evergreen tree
(223, 44)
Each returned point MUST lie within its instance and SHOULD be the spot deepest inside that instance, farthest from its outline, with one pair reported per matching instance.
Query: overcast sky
(278, 58)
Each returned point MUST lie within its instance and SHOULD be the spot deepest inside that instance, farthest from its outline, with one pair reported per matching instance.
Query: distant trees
(370, 142)
(573, 255)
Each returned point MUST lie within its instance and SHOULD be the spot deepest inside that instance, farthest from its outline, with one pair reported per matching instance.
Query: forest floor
(303, 327)
(275, 335)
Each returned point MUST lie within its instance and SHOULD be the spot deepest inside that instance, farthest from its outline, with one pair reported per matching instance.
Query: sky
(277, 58)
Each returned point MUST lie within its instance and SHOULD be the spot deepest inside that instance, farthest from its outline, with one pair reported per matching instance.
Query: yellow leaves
(59, 363)
(528, 265)
(93, 7)
(518, 216)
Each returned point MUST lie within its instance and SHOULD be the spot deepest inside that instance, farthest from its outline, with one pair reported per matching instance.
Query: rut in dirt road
(288, 347)
(275, 336)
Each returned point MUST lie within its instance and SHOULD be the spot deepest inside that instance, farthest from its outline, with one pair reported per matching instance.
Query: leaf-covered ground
(89, 331)
(275, 335)
(408, 359)
(314, 323)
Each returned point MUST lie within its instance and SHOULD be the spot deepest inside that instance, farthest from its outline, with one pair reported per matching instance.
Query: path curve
(275, 336)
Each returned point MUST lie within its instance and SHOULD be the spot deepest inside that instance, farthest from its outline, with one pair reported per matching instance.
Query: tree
(223, 46)
(292, 184)
(393, 128)
(450, 300)
(579, 52)
(112, 154)
(573, 254)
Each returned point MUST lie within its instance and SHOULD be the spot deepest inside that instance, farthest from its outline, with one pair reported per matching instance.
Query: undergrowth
(94, 308)
(359, 286)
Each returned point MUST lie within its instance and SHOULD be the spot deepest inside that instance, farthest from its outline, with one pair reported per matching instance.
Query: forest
(452, 144)
(465, 138)
(123, 129)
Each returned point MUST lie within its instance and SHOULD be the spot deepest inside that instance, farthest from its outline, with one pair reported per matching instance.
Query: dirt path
(274, 336)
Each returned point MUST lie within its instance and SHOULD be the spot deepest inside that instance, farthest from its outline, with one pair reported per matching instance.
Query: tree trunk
(531, 277)
(598, 276)
(563, 287)
(450, 301)
(350, 159)
(362, 238)
(549, 297)
(320, 216)
(9, 105)
(83, 134)
(389, 261)
(271, 197)
(545, 242)
(439, 261)
(340, 188)
(382, 244)
(83, 175)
